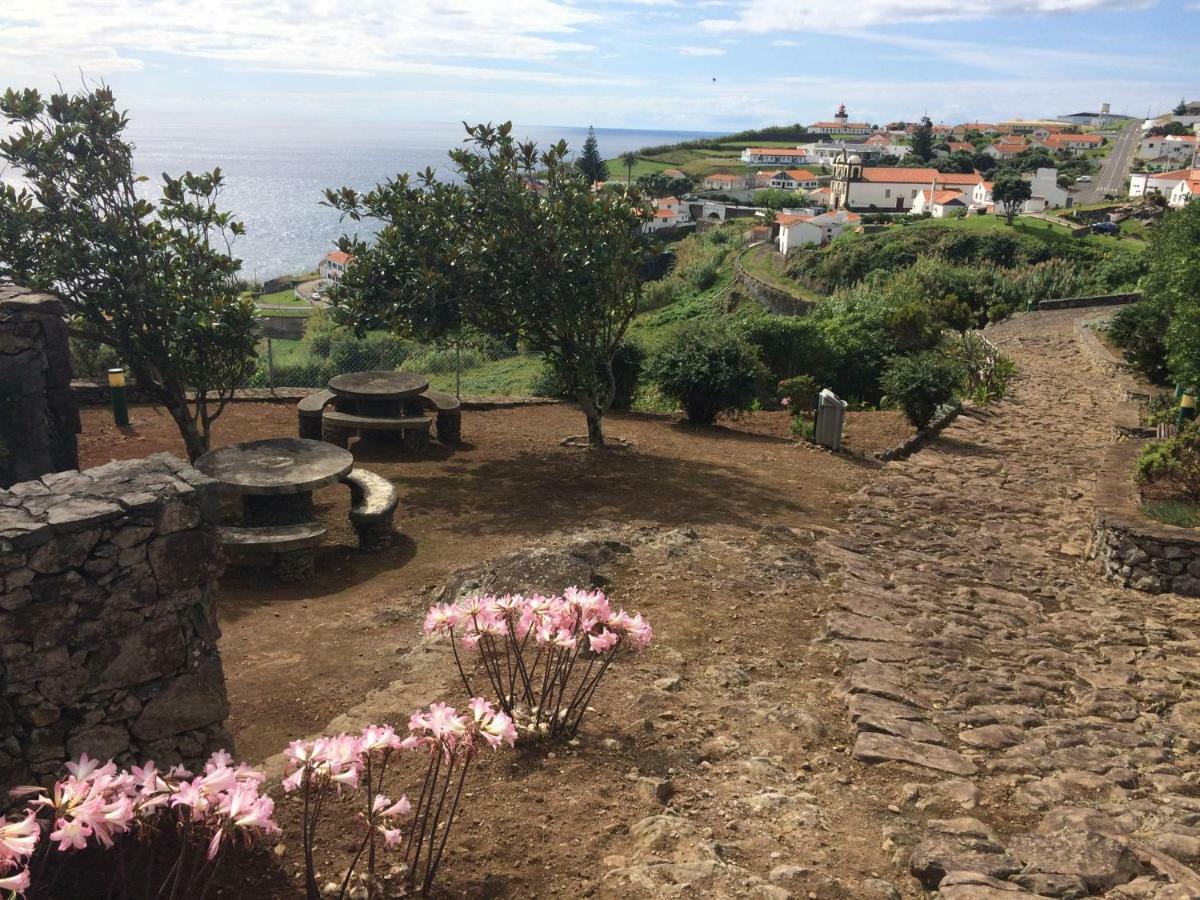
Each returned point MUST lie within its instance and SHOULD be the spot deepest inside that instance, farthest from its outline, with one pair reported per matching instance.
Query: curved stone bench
(449, 415)
(291, 547)
(338, 427)
(373, 502)
(309, 412)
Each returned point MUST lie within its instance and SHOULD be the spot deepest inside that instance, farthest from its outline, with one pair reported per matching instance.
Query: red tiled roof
(797, 175)
(790, 219)
(943, 196)
(721, 176)
(337, 256)
(839, 125)
(898, 175)
(960, 145)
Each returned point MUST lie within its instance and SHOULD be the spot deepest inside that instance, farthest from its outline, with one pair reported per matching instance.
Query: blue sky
(662, 64)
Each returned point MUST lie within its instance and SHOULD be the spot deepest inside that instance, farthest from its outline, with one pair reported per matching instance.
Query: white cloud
(61, 36)
(762, 16)
(699, 51)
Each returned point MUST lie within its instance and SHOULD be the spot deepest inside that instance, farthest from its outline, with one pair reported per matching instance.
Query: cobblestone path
(980, 643)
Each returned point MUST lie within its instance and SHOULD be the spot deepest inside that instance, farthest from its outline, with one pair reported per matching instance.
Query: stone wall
(1083, 302)
(772, 298)
(1131, 548)
(38, 416)
(108, 630)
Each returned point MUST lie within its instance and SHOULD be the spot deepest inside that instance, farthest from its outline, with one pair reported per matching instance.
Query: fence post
(270, 367)
(458, 370)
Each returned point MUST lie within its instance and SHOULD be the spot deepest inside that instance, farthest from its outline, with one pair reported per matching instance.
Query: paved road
(981, 645)
(1111, 179)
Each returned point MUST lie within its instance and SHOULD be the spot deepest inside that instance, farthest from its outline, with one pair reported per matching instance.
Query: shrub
(1140, 331)
(90, 359)
(708, 370)
(705, 275)
(1174, 463)
(656, 294)
(789, 345)
(986, 372)
(627, 368)
(800, 391)
(921, 383)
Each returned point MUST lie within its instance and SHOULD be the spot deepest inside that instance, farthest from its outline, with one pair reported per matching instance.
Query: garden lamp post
(116, 391)
(1187, 409)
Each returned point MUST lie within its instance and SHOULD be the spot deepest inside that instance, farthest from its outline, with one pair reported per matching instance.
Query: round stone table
(276, 477)
(378, 385)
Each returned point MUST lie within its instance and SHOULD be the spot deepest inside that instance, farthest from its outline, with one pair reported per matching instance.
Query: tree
(629, 158)
(1010, 191)
(656, 184)
(156, 283)
(959, 161)
(1172, 282)
(922, 140)
(557, 268)
(1181, 108)
(774, 198)
(590, 162)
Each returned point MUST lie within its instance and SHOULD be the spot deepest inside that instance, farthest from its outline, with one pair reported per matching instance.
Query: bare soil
(734, 605)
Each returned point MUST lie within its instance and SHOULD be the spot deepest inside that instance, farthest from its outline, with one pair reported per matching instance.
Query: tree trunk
(175, 400)
(595, 431)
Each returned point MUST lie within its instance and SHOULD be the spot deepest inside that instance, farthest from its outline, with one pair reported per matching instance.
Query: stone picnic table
(392, 406)
(275, 479)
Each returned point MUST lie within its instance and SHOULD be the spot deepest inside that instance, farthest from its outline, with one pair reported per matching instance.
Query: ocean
(275, 178)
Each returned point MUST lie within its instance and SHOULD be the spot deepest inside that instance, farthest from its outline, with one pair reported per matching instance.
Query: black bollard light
(116, 390)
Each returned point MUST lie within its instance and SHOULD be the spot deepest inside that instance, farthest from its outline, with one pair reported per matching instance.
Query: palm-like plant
(629, 158)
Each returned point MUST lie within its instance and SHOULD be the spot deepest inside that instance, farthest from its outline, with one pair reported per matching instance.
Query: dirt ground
(717, 519)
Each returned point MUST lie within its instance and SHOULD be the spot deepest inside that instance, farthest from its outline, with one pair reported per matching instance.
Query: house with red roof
(841, 124)
(1006, 148)
(941, 202)
(724, 181)
(1074, 144)
(799, 230)
(333, 266)
(669, 212)
(889, 188)
(792, 180)
(1179, 187)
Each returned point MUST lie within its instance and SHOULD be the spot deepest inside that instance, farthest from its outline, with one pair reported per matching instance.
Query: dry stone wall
(108, 630)
(38, 415)
(1131, 548)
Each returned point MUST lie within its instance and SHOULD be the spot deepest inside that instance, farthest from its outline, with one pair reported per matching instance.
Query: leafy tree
(156, 283)
(1010, 191)
(590, 162)
(983, 162)
(959, 161)
(656, 184)
(1181, 108)
(558, 268)
(1172, 282)
(774, 198)
(629, 158)
(922, 140)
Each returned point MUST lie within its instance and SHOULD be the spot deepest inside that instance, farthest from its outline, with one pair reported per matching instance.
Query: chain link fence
(307, 351)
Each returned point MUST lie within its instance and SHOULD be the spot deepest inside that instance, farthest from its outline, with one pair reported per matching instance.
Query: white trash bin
(831, 415)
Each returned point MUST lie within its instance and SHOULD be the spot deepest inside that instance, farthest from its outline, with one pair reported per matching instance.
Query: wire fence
(306, 352)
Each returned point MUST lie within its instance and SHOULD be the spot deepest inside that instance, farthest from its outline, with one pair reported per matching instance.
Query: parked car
(1083, 179)
(1106, 228)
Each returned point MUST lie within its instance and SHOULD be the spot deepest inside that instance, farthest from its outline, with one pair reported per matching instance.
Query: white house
(825, 152)
(334, 265)
(1178, 187)
(940, 203)
(1006, 149)
(1045, 187)
(796, 230)
(1173, 148)
(1073, 144)
(793, 180)
(774, 156)
(723, 181)
(669, 212)
(981, 195)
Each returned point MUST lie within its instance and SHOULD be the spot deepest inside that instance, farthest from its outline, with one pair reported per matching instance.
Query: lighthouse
(841, 118)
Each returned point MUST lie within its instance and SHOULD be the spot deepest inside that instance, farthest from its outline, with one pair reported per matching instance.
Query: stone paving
(981, 644)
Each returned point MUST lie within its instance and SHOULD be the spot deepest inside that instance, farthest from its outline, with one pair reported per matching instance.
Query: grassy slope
(1038, 228)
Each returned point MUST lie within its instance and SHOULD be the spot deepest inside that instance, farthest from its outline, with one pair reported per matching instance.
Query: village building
(891, 188)
(941, 203)
(1170, 149)
(1072, 144)
(1178, 187)
(724, 181)
(793, 180)
(774, 156)
(1006, 149)
(334, 264)
(669, 212)
(798, 230)
(841, 124)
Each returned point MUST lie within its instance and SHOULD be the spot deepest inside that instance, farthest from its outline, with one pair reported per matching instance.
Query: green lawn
(282, 298)
(762, 262)
(1038, 228)
(1174, 512)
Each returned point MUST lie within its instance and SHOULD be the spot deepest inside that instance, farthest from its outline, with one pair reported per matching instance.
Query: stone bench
(290, 547)
(373, 502)
(449, 415)
(309, 411)
(338, 427)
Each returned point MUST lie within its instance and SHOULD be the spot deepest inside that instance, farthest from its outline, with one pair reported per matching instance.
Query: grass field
(1038, 228)
(282, 298)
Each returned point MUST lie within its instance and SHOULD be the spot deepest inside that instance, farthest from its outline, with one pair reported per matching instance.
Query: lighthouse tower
(841, 118)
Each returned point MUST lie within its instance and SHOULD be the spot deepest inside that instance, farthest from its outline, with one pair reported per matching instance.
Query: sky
(705, 65)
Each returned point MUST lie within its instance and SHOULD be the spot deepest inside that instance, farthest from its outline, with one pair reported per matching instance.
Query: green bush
(313, 372)
(801, 393)
(705, 275)
(657, 294)
(627, 367)
(1140, 330)
(921, 383)
(1174, 463)
(708, 370)
(90, 359)
(790, 345)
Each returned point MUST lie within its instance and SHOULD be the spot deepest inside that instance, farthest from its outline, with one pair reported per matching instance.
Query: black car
(1106, 228)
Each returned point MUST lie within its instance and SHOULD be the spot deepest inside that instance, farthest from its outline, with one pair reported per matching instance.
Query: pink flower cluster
(562, 621)
(98, 803)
